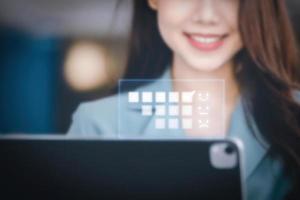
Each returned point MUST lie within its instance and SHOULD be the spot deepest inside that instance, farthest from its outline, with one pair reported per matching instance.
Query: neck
(225, 73)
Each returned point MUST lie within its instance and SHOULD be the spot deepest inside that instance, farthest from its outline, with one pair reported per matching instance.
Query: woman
(249, 44)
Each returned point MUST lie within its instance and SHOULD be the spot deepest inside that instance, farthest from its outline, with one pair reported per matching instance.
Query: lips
(206, 42)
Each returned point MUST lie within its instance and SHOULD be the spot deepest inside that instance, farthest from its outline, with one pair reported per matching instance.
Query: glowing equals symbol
(203, 110)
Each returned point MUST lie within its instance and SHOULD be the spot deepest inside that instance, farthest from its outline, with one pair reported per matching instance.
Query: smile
(206, 42)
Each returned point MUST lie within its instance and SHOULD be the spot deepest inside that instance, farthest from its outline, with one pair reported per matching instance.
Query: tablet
(59, 168)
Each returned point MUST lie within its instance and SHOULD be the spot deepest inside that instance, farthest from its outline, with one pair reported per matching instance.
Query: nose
(205, 12)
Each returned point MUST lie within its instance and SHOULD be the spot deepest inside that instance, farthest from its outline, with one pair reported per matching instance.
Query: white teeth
(206, 40)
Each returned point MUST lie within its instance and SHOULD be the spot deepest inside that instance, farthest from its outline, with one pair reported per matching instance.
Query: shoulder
(96, 118)
(93, 109)
(101, 117)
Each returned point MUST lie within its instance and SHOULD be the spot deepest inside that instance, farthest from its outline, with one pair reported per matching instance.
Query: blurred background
(56, 54)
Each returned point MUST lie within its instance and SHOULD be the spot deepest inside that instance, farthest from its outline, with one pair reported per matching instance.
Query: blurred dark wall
(28, 82)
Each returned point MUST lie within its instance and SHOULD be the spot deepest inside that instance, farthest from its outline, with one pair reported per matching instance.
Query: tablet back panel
(95, 169)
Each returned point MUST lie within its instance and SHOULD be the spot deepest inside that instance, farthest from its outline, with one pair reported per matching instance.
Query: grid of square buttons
(166, 107)
(161, 97)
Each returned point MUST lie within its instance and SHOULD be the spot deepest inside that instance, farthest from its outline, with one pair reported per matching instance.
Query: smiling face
(202, 34)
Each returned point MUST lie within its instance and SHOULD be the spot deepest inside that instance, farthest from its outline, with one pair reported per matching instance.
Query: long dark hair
(267, 74)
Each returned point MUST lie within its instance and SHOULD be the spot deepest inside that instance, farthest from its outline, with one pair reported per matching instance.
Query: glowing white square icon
(160, 97)
(173, 124)
(187, 97)
(160, 123)
(187, 123)
(147, 97)
(146, 110)
(133, 97)
(187, 110)
(173, 110)
(173, 97)
(160, 110)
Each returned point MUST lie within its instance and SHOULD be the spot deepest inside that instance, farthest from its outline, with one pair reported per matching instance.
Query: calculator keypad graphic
(178, 110)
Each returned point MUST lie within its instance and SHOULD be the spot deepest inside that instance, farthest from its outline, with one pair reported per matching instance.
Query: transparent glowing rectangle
(154, 108)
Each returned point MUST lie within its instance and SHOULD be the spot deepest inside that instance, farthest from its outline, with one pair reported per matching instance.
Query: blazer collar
(254, 146)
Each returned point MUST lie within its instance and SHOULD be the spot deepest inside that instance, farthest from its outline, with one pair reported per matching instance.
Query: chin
(207, 66)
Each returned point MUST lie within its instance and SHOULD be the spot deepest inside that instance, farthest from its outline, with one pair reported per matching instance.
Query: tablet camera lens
(229, 149)
(223, 155)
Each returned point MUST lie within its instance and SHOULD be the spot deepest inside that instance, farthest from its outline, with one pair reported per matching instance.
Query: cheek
(176, 9)
(235, 31)
(230, 16)
(229, 13)
(172, 15)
